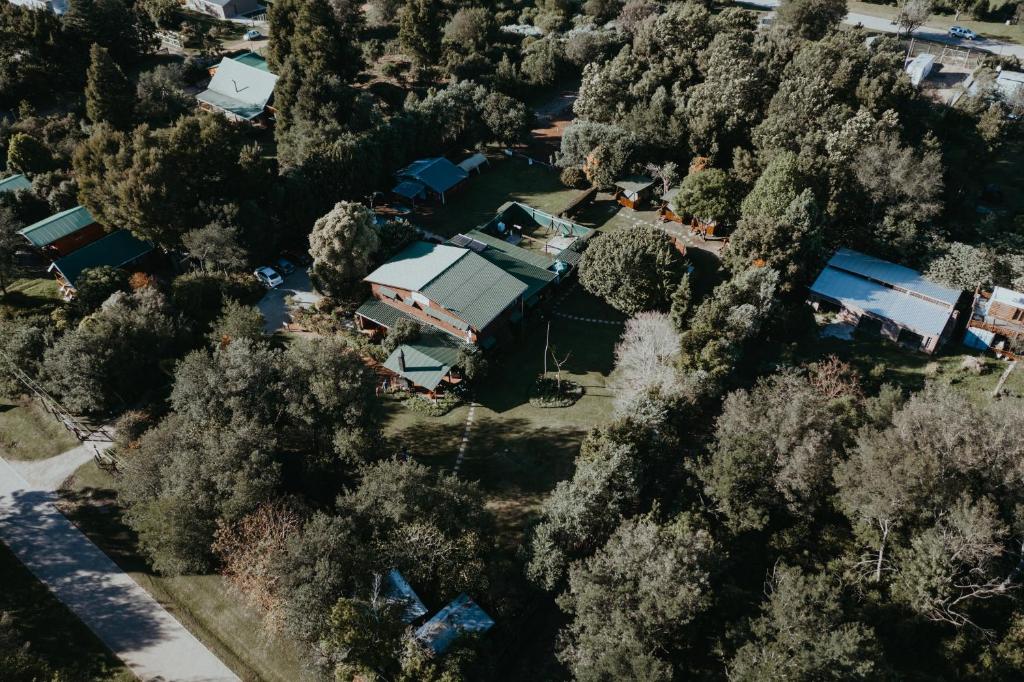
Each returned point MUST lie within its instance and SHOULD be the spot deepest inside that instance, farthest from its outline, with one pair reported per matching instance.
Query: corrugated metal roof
(516, 264)
(410, 189)
(240, 89)
(398, 589)
(383, 314)
(416, 265)
(116, 249)
(427, 359)
(462, 615)
(473, 162)
(1008, 296)
(474, 289)
(534, 258)
(857, 293)
(14, 183)
(57, 226)
(892, 274)
(670, 195)
(634, 183)
(439, 174)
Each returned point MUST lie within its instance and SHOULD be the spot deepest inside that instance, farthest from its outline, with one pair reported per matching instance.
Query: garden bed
(548, 392)
(432, 408)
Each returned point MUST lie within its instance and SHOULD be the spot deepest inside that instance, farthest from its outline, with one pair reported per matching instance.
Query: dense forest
(742, 513)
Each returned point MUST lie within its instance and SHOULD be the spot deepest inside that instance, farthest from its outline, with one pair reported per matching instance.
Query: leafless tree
(667, 173)
(645, 359)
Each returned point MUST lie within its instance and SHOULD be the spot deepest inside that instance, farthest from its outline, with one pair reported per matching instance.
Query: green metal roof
(383, 314)
(634, 184)
(439, 174)
(534, 258)
(14, 183)
(517, 262)
(416, 265)
(116, 249)
(254, 60)
(474, 289)
(427, 359)
(57, 226)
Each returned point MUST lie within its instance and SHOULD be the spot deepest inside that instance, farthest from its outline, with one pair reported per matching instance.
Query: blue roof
(117, 249)
(399, 590)
(410, 189)
(439, 174)
(460, 616)
(914, 303)
(894, 275)
(14, 183)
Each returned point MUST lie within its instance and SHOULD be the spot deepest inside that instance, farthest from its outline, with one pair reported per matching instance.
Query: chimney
(401, 359)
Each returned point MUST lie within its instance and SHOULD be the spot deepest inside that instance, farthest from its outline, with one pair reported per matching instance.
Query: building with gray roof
(888, 299)
(462, 616)
(429, 178)
(239, 90)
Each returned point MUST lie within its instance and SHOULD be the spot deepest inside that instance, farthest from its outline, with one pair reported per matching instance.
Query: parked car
(284, 266)
(253, 34)
(961, 32)
(269, 277)
(299, 257)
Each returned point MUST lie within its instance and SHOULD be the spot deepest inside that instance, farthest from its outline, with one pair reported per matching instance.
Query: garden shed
(461, 616)
(634, 191)
(64, 232)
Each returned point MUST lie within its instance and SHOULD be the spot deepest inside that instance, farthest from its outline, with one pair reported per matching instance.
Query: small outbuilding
(634, 192)
(64, 232)
(118, 249)
(399, 591)
(14, 183)
(223, 9)
(474, 163)
(426, 179)
(887, 299)
(997, 322)
(242, 89)
(666, 211)
(919, 68)
(460, 617)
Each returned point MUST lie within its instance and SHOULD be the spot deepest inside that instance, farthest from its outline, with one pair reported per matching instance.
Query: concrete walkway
(49, 474)
(124, 616)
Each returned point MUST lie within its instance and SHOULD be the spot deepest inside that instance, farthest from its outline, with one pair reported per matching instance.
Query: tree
(631, 601)
(96, 285)
(811, 19)
(113, 356)
(645, 360)
(160, 94)
(470, 30)
(22, 344)
(774, 451)
(10, 242)
(634, 270)
(508, 120)
(236, 321)
(366, 635)
(109, 97)
(126, 31)
(542, 62)
(580, 514)
(804, 634)
(419, 30)
(342, 245)
(27, 154)
(708, 194)
(913, 15)
(404, 331)
(215, 247)
(964, 266)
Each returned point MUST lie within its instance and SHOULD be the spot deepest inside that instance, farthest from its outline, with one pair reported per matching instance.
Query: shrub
(574, 177)
(548, 392)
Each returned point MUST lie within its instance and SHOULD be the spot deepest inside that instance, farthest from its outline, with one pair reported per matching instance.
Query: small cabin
(634, 192)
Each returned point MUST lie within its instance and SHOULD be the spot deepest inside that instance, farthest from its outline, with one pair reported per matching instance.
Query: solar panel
(474, 245)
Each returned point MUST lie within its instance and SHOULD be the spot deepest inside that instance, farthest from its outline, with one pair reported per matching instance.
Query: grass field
(54, 634)
(885, 362)
(517, 451)
(27, 431)
(988, 29)
(204, 604)
(504, 180)
(35, 294)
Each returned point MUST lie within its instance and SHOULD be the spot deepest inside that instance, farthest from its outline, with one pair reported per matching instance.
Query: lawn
(204, 604)
(987, 29)
(31, 294)
(517, 451)
(27, 431)
(55, 634)
(885, 362)
(504, 180)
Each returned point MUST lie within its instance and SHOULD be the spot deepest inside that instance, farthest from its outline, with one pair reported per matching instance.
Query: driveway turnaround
(276, 306)
(123, 615)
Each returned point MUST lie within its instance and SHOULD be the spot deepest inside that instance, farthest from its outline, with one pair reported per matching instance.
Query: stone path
(465, 437)
(124, 616)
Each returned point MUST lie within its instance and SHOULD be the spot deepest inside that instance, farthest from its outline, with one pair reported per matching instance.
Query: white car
(253, 34)
(268, 277)
(961, 32)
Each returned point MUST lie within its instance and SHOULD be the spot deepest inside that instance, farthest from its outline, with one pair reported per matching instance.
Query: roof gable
(116, 249)
(14, 183)
(427, 359)
(239, 88)
(474, 289)
(439, 174)
(57, 226)
(415, 266)
(894, 275)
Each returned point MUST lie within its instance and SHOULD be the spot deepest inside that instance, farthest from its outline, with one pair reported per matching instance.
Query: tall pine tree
(109, 97)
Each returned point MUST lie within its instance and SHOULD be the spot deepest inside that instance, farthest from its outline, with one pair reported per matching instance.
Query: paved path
(49, 474)
(277, 304)
(937, 35)
(123, 615)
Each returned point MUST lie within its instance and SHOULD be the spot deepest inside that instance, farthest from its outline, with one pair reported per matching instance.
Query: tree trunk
(884, 525)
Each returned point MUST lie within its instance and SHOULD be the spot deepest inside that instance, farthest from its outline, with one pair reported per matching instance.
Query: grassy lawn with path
(27, 431)
(54, 633)
(205, 604)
